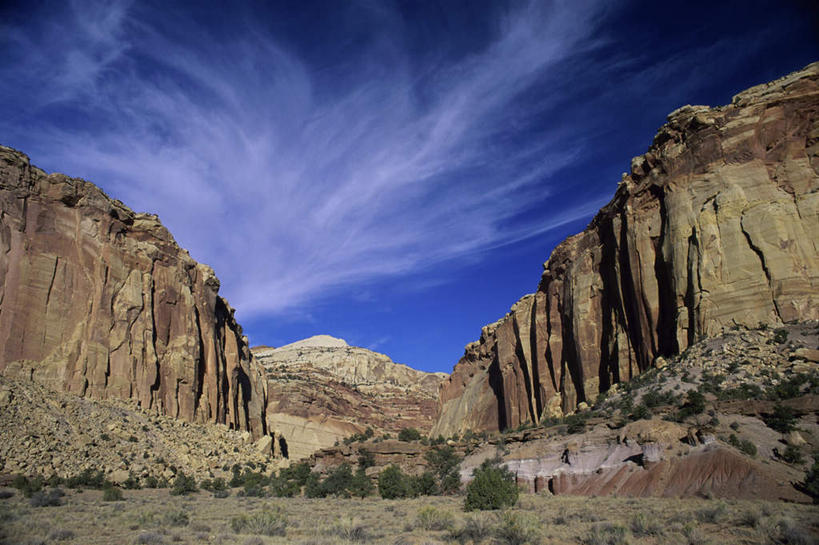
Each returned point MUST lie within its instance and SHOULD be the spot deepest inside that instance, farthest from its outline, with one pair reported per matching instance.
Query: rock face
(323, 390)
(715, 225)
(99, 301)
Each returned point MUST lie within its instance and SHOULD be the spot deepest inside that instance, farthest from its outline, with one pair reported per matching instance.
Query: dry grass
(153, 516)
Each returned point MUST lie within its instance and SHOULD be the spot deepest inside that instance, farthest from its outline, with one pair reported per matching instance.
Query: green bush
(183, 485)
(393, 483)
(41, 498)
(492, 487)
(783, 419)
(780, 336)
(431, 519)
(694, 405)
(409, 434)
(28, 486)
(475, 529)
(271, 521)
(423, 484)
(112, 493)
(811, 483)
(517, 529)
(792, 455)
(361, 486)
(89, 478)
(606, 534)
(444, 463)
(743, 445)
(576, 423)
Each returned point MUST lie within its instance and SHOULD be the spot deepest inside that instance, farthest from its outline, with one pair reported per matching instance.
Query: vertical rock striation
(716, 225)
(100, 301)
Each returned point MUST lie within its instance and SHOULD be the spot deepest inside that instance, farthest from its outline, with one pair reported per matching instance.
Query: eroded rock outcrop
(716, 225)
(323, 390)
(100, 301)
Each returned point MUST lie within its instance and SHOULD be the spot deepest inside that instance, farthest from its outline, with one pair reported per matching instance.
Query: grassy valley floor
(155, 517)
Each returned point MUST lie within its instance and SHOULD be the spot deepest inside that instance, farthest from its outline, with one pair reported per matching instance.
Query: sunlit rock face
(322, 390)
(100, 301)
(716, 225)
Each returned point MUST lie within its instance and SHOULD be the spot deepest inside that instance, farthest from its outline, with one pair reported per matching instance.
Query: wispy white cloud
(288, 189)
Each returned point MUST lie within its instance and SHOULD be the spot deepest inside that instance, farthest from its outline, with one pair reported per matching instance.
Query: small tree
(393, 484)
(492, 487)
(443, 462)
(183, 485)
(409, 434)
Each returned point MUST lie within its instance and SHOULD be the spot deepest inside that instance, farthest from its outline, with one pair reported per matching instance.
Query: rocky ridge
(99, 301)
(637, 441)
(43, 432)
(322, 390)
(715, 226)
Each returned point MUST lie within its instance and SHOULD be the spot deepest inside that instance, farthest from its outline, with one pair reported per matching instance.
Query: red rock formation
(716, 225)
(100, 301)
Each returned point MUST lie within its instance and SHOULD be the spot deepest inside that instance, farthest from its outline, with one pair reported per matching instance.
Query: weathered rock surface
(43, 432)
(99, 301)
(715, 225)
(322, 390)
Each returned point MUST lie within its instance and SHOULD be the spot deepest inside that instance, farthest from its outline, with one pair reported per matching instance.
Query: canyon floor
(155, 517)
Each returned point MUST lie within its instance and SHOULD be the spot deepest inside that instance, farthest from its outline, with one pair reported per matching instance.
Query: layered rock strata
(99, 301)
(322, 390)
(716, 225)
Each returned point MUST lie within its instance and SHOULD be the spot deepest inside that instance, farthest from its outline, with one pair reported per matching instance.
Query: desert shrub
(393, 483)
(221, 494)
(361, 486)
(338, 482)
(176, 518)
(712, 514)
(183, 485)
(606, 534)
(430, 518)
(742, 445)
(350, 529)
(61, 535)
(150, 538)
(783, 419)
(284, 488)
(41, 498)
(642, 525)
(88, 478)
(576, 423)
(150, 482)
(694, 405)
(788, 532)
(792, 455)
(780, 336)
(640, 412)
(6, 494)
(811, 483)
(475, 529)
(517, 529)
(423, 484)
(492, 487)
(112, 493)
(443, 462)
(28, 486)
(656, 398)
(743, 391)
(271, 521)
(409, 434)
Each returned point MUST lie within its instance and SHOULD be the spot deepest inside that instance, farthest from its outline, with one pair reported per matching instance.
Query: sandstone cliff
(716, 225)
(100, 301)
(323, 390)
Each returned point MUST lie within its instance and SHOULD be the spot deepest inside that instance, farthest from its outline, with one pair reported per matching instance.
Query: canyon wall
(100, 301)
(716, 225)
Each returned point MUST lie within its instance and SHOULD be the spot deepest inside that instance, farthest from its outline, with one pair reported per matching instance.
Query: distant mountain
(716, 225)
(322, 390)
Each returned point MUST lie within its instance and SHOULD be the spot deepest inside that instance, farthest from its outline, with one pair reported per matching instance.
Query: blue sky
(393, 173)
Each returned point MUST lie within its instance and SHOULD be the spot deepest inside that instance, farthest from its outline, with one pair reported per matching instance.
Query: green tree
(444, 463)
(409, 434)
(492, 487)
(393, 484)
